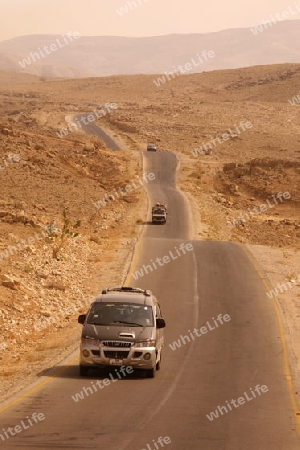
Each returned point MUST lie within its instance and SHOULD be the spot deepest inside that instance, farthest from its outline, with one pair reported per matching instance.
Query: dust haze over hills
(113, 55)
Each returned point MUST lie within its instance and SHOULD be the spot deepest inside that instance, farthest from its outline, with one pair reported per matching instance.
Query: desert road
(238, 365)
(92, 128)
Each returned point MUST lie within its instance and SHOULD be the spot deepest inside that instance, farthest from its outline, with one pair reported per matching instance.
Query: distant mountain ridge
(113, 55)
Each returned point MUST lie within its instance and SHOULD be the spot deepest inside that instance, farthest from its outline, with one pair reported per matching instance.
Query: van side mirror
(81, 318)
(160, 323)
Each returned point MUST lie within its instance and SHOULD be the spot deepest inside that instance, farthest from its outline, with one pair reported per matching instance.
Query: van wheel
(158, 364)
(151, 373)
(83, 370)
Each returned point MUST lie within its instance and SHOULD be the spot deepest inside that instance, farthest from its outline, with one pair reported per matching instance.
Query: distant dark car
(151, 148)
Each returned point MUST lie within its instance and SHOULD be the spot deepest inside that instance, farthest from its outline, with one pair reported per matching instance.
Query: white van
(123, 326)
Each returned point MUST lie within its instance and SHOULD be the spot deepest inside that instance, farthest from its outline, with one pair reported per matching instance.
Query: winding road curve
(223, 364)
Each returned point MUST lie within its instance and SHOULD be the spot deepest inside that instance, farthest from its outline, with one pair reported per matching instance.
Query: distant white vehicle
(159, 213)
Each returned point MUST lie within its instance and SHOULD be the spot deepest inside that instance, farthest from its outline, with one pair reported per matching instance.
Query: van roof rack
(127, 289)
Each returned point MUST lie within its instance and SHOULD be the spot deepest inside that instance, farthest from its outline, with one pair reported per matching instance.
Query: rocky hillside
(57, 249)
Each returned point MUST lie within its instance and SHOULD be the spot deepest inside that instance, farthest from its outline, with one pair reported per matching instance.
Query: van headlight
(148, 343)
(89, 340)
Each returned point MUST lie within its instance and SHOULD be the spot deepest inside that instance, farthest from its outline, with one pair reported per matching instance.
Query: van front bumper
(103, 356)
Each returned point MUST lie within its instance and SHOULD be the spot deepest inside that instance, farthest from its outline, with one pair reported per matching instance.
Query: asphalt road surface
(92, 128)
(211, 370)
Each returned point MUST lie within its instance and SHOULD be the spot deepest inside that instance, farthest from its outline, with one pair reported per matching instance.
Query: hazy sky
(152, 17)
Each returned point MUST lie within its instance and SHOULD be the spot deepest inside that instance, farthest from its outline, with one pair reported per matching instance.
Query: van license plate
(116, 362)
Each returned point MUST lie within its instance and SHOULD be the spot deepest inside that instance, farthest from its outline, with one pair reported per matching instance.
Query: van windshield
(121, 314)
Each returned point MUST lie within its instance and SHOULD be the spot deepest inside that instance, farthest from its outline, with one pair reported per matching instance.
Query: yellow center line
(286, 365)
(38, 387)
(135, 261)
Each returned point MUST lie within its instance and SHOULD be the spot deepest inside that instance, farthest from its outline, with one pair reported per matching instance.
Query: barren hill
(113, 55)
